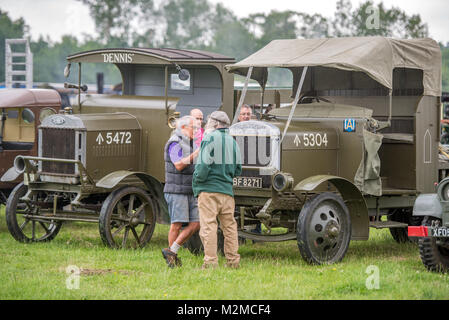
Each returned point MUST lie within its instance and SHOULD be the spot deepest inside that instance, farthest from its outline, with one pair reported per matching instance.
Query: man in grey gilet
(182, 205)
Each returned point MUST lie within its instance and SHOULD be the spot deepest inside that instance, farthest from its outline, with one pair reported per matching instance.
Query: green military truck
(354, 149)
(104, 163)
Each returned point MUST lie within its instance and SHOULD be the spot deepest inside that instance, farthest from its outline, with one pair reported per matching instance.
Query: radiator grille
(255, 150)
(60, 144)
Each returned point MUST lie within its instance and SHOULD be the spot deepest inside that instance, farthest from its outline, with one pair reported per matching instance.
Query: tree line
(199, 24)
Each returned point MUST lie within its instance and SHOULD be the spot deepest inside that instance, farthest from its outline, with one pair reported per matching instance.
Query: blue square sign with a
(349, 125)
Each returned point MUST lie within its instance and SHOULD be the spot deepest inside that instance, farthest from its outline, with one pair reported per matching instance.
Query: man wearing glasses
(180, 153)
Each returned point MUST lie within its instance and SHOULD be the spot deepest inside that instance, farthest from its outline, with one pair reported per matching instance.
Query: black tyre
(404, 215)
(324, 229)
(434, 252)
(195, 245)
(127, 218)
(21, 224)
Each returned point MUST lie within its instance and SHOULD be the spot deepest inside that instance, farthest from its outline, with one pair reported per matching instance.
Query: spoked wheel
(20, 221)
(434, 252)
(324, 229)
(400, 235)
(127, 218)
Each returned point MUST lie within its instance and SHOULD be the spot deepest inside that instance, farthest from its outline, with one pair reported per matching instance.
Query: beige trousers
(212, 206)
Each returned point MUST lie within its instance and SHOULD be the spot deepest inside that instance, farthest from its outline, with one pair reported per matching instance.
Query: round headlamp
(19, 164)
(282, 181)
(443, 189)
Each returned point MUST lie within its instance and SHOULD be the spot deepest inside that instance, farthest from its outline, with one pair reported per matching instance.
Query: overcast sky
(55, 18)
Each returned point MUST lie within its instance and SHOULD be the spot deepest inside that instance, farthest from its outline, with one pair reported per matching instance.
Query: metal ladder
(18, 63)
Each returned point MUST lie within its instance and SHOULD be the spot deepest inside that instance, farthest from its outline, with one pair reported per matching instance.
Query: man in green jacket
(218, 163)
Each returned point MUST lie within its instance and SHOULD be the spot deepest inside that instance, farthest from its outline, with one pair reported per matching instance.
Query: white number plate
(441, 232)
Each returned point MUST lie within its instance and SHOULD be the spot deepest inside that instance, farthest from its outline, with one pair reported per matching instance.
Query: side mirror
(183, 74)
(28, 115)
(67, 70)
(172, 120)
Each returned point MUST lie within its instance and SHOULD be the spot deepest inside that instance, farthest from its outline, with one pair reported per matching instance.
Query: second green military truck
(353, 150)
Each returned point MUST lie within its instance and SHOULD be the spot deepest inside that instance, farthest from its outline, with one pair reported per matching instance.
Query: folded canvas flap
(367, 177)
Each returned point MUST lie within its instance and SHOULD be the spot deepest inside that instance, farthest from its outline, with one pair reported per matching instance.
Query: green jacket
(218, 162)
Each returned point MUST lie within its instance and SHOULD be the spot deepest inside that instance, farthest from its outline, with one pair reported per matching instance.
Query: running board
(387, 224)
(267, 237)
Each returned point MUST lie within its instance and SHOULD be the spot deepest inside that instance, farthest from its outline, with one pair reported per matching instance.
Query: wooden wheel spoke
(139, 209)
(131, 205)
(135, 235)
(47, 231)
(121, 208)
(23, 225)
(30, 208)
(120, 228)
(125, 237)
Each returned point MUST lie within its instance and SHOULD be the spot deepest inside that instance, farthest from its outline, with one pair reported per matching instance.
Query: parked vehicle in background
(21, 112)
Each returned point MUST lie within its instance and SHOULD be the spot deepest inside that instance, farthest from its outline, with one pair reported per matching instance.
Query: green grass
(268, 271)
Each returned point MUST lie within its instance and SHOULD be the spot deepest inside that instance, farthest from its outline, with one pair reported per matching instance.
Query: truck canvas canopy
(377, 57)
(354, 67)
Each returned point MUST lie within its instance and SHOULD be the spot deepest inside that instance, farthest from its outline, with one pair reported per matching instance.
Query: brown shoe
(171, 258)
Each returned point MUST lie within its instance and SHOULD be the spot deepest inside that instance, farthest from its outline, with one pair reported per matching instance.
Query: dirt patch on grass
(94, 272)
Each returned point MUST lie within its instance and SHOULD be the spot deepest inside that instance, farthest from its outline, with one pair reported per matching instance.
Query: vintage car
(22, 111)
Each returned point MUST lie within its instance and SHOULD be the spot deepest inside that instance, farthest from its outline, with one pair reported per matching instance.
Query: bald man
(199, 131)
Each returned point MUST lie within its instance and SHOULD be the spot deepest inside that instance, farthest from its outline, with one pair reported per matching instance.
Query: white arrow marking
(297, 142)
(99, 138)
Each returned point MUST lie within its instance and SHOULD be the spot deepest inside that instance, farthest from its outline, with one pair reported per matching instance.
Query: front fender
(154, 187)
(352, 197)
(10, 175)
(428, 204)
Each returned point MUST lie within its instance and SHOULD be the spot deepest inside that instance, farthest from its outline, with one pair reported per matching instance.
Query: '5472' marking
(119, 137)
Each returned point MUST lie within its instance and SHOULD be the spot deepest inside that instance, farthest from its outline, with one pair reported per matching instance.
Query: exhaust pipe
(19, 164)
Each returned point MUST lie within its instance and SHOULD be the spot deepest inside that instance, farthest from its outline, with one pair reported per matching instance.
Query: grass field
(268, 271)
